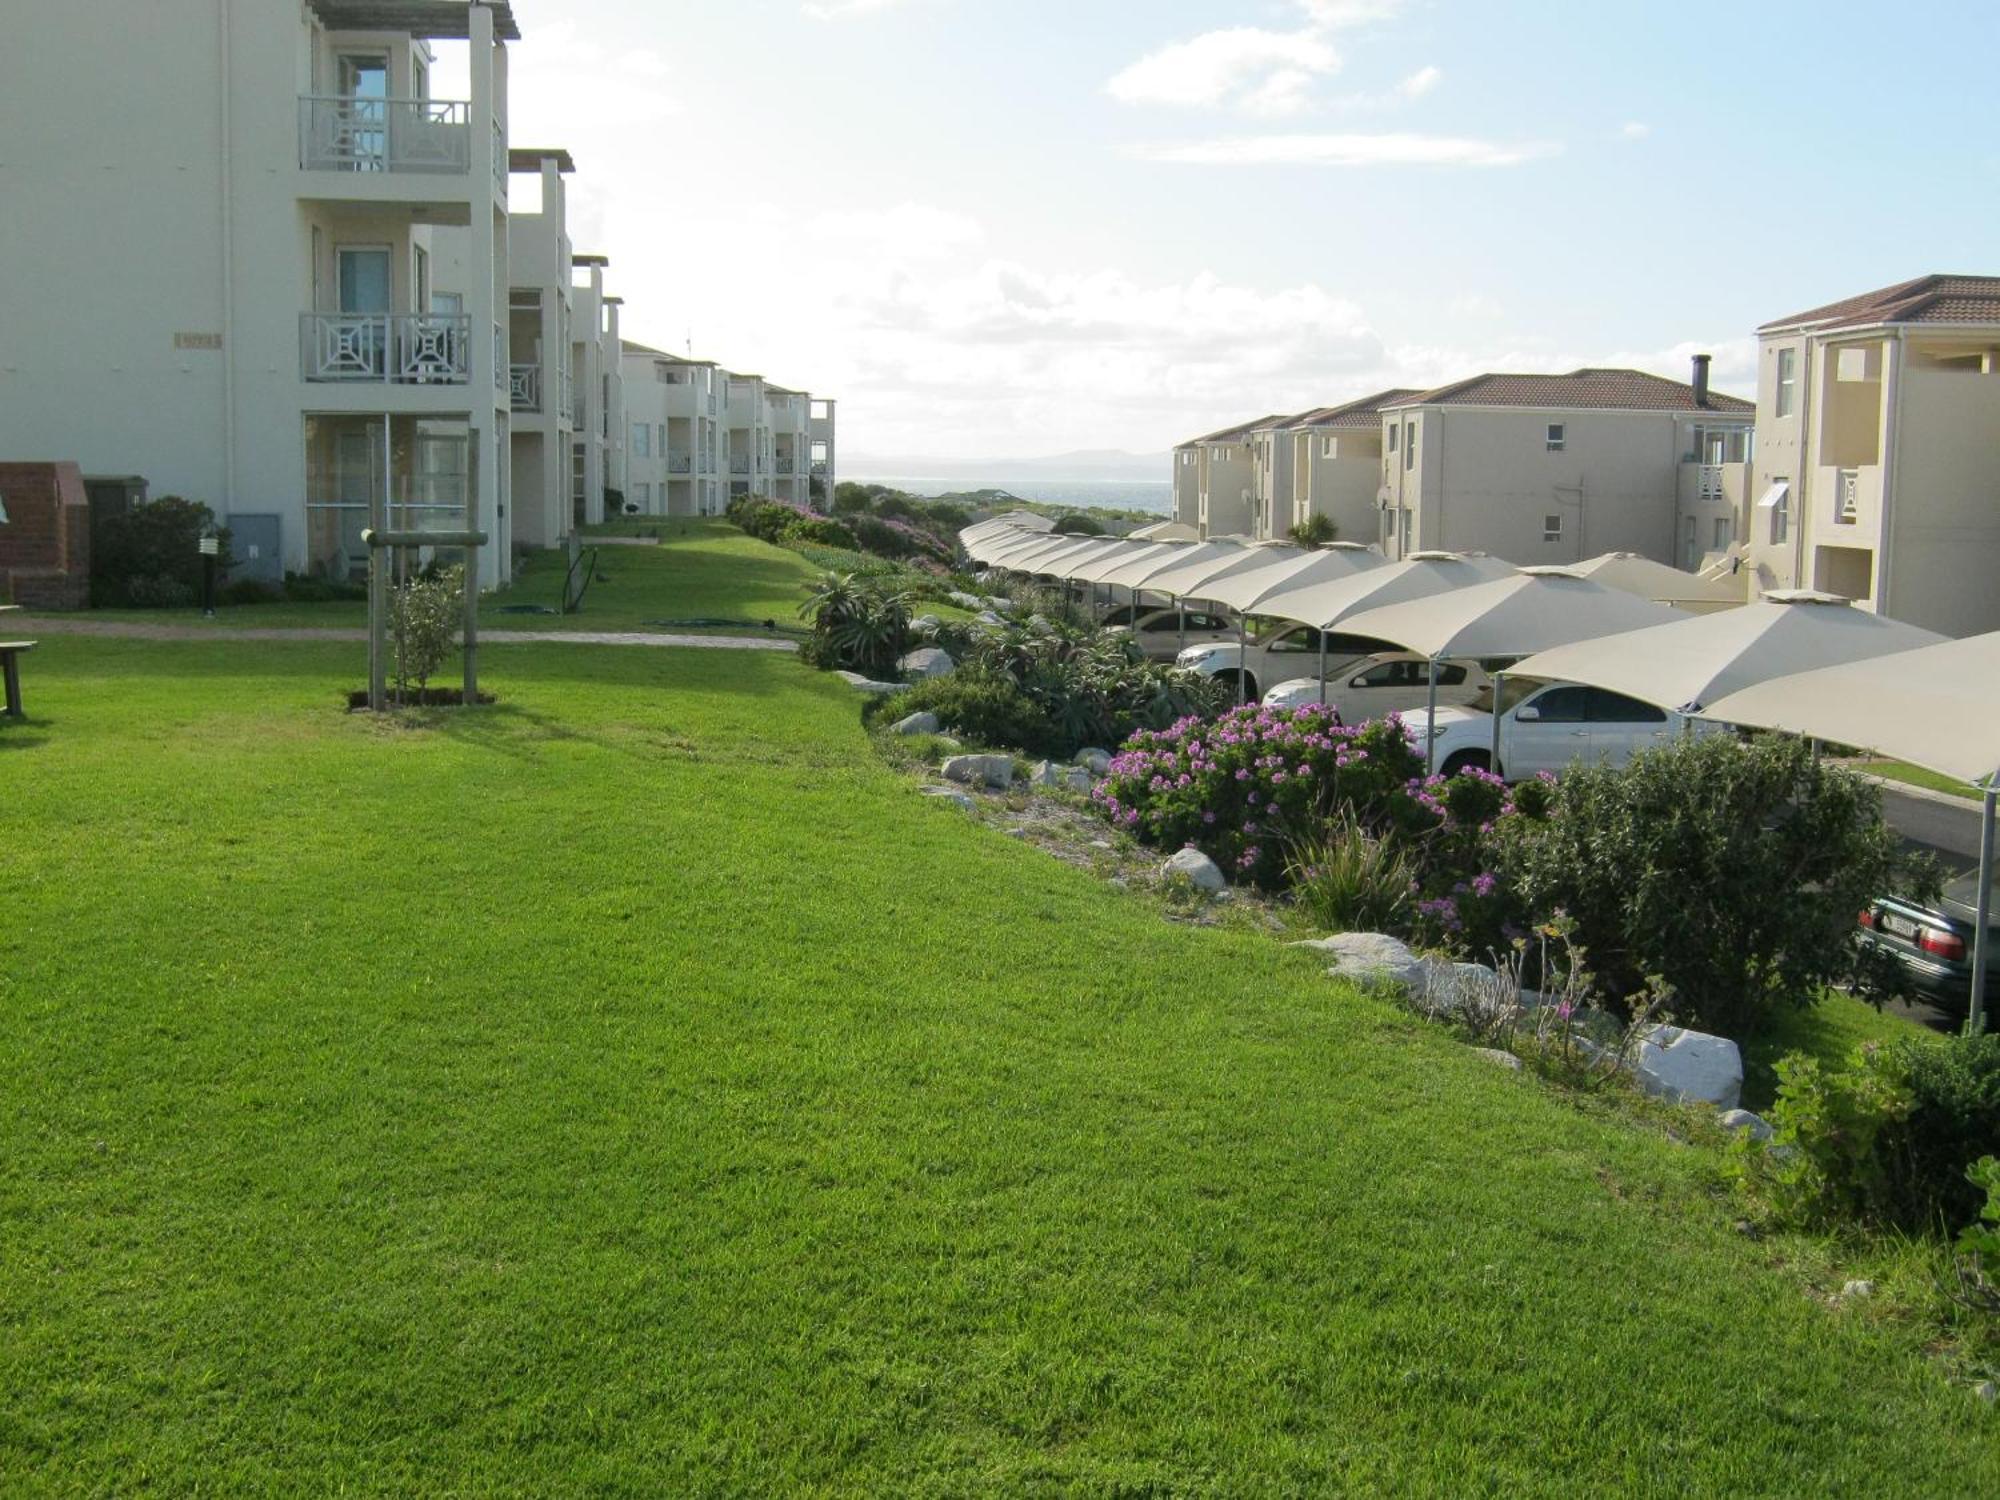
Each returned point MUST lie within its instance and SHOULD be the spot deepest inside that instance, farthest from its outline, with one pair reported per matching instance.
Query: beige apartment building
(1223, 482)
(824, 434)
(540, 381)
(678, 448)
(1545, 469)
(1877, 464)
(1336, 467)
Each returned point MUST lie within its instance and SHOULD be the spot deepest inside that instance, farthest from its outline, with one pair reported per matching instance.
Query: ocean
(1154, 496)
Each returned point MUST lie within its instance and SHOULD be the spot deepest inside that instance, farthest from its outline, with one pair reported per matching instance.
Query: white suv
(1389, 682)
(1159, 630)
(1547, 727)
(1281, 652)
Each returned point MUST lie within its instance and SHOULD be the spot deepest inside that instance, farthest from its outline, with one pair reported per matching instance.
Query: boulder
(918, 723)
(927, 661)
(1000, 603)
(1373, 957)
(1197, 867)
(1449, 988)
(926, 625)
(951, 795)
(1857, 1289)
(990, 620)
(1039, 625)
(1758, 1128)
(1077, 780)
(1097, 762)
(867, 685)
(965, 601)
(1689, 1066)
(1059, 778)
(981, 770)
(1498, 1058)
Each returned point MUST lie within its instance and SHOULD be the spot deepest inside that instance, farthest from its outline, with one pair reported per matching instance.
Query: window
(1725, 533)
(1561, 705)
(1304, 639)
(1410, 446)
(1781, 510)
(640, 435)
(1555, 437)
(1388, 674)
(1615, 708)
(1406, 529)
(1552, 528)
(1788, 381)
(644, 494)
(1394, 428)
(1326, 447)
(1186, 458)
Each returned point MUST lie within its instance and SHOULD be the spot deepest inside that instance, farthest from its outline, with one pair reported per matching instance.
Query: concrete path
(127, 630)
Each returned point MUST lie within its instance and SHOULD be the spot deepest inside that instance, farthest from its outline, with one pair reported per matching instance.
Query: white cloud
(1262, 72)
(1420, 83)
(1349, 150)
(908, 231)
(1635, 130)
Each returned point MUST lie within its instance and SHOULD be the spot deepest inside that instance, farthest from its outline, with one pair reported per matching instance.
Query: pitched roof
(1227, 434)
(1365, 412)
(1580, 390)
(1927, 299)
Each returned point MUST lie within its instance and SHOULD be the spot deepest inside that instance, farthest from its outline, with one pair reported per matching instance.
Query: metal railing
(387, 348)
(785, 466)
(1708, 482)
(680, 463)
(499, 357)
(739, 463)
(339, 134)
(1847, 497)
(524, 387)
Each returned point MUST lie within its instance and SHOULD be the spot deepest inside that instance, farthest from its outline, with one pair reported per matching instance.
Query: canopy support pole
(1322, 669)
(1180, 614)
(1242, 659)
(1431, 711)
(1499, 693)
(1975, 1015)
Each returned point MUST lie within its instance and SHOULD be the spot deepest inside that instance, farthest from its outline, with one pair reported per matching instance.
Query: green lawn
(1830, 1032)
(638, 1088)
(1896, 770)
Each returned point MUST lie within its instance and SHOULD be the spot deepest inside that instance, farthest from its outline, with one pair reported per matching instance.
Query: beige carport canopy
(1934, 706)
(1037, 561)
(1535, 609)
(1186, 579)
(1094, 569)
(1001, 541)
(1700, 658)
(1140, 572)
(1245, 592)
(1166, 531)
(1662, 584)
(1326, 602)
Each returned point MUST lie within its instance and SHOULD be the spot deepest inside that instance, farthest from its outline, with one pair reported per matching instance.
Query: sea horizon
(1154, 496)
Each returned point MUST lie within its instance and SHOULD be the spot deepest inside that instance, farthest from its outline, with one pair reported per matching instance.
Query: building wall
(1944, 529)
(1228, 480)
(1781, 453)
(1187, 485)
(1342, 485)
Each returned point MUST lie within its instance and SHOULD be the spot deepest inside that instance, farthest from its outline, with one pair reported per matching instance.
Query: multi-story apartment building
(824, 448)
(791, 444)
(1336, 467)
(597, 451)
(1187, 483)
(749, 434)
(678, 450)
(1548, 468)
(1225, 479)
(1270, 446)
(1877, 462)
(251, 318)
(540, 383)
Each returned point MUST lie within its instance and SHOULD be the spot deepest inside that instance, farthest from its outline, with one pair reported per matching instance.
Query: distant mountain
(1086, 463)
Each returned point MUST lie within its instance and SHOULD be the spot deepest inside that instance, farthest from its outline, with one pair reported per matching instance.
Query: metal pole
(1431, 739)
(1975, 1016)
(1180, 613)
(1499, 688)
(1322, 669)
(471, 625)
(1242, 659)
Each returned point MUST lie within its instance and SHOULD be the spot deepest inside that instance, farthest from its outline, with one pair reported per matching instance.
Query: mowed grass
(637, 1088)
(1917, 776)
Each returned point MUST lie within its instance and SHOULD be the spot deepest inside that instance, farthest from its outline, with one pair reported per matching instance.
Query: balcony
(384, 135)
(739, 463)
(818, 468)
(680, 463)
(386, 348)
(524, 387)
(785, 466)
(1846, 497)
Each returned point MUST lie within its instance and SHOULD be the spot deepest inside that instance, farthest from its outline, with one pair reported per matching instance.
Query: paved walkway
(128, 630)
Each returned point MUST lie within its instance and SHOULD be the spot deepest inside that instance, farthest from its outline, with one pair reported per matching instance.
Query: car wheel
(1468, 760)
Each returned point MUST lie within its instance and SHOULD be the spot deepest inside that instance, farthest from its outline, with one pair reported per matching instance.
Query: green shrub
(248, 591)
(1979, 1243)
(856, 625)
(425, 618)
(150, 556)
(1731, 871)
(1094, 689)
(1347, 880)
(987, 709)
(1887, 1140)
(876, 535)
(1315, 531)
(1079, 525)
(817, 531)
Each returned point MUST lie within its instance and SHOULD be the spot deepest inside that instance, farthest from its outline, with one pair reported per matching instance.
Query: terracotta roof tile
(1579, 390)
(1365, 412)
(1927, 299)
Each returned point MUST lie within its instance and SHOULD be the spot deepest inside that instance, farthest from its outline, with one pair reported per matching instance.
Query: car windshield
(1515, 688)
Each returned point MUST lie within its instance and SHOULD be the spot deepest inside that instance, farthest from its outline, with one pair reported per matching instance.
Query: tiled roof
(1928, 299)
(1579, 390)
(1365, 412)
(1228, 434)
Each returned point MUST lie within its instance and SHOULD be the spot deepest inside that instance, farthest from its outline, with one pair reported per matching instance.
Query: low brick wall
(45, 545)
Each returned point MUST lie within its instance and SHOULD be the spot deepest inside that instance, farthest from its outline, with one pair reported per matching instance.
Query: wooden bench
(10, 669)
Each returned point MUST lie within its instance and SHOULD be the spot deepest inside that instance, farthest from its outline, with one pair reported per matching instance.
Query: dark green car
(1932, 942)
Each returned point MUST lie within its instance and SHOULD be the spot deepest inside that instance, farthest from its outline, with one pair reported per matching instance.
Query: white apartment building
(224, 283)
(1337, 467)
(749, 434)
(1270, 446)
(677, 450)
(1224, 480)
(597, 375)
(1552, 468)
(1877, 462)
(824, 448)
(791, 444)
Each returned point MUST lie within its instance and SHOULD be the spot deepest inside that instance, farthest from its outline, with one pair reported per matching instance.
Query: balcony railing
(524, 387)
(387, 348)
(739, 463)
(1708, 482)
(1847, 497)
(680, 463)
(818, 469)
(785, 466)
(384, 135)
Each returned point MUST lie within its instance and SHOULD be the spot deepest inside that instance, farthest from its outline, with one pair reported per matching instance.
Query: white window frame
(1410, 445)
(1556, 435)
(1552, 526)
(1785, 402)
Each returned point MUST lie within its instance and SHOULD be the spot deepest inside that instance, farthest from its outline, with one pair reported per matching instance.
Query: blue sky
(1021, 228)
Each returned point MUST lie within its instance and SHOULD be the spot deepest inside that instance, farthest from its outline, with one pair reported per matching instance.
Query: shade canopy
(1532, 611)
(1140, 573)
(1166, 531)
(1051, 555)
(1934, 707)
(1660, 583)
(1700, 658)
(1326, 602)
(1026, 520)
(1094, 569)
(997, 541)
(1246, 591)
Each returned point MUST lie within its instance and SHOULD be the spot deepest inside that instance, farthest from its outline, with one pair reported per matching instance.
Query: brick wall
(45, 545)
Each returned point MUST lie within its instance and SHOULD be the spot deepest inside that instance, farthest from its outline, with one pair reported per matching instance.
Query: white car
(1158, 630)
(1281, 652)
(1389, 682)
(1547, 727)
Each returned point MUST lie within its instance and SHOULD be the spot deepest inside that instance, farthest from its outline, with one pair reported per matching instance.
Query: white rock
(1000, 602)
(965, 601)
(1077, 780)
(1987, 1391)
(1372, 956)
(868, 685)
(1757, 1126)
(946, 742)
(1039, 625)
(1450, 988)
(1197, 867)
(1498, 1058)
(1059, 778)
(981, 770)
(1097, 762)
(926, 625)
(1690, 1065)
(1858, 1289)
(987, 618)
(917, 723)
(927, 661)
(948, 794)
(1015, 833)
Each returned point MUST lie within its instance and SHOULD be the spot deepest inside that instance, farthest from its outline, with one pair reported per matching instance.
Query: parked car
(1158, 630)
(1277, 653)
(1389, 682)
(1931, 942)
(1548, 727)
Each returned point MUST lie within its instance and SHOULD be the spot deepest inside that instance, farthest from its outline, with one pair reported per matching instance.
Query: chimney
(1701, 379)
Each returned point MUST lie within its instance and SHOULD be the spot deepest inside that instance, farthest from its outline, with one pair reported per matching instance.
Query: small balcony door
(366, 286)
(362, 81)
